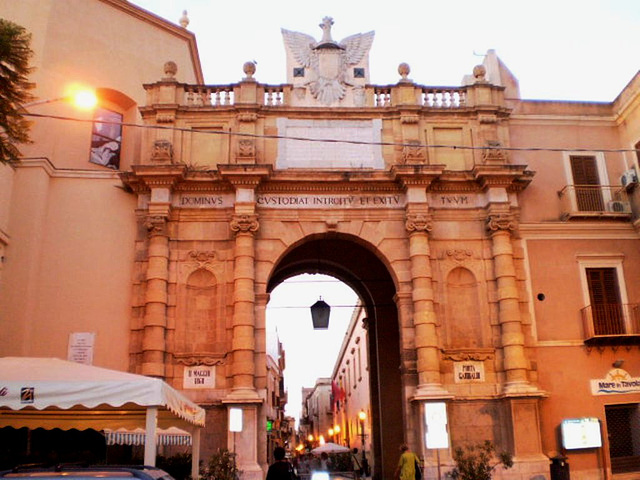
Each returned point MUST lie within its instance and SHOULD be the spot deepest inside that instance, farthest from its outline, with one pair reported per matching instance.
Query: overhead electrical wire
(332, 140)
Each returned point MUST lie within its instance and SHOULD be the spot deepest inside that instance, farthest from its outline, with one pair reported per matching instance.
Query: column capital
(156, 225)
(501, 222)
(419, 222)
(244, 223)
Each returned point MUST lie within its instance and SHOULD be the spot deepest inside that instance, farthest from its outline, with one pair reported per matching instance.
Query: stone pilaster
(243, 340)
(244, 224)
(424, 317)
(244, 394)
(155, 316)
(500, 226)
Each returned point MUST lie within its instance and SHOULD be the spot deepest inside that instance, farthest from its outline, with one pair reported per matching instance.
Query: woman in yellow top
(406, 469)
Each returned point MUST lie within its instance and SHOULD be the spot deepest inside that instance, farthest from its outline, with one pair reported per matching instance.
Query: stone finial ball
(249, 68)
(170, 69)
(479, 72)
(184, 19)
(404, 69)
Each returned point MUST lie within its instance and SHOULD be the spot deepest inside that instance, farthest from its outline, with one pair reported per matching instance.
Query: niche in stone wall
(463, 322)
(199, 328)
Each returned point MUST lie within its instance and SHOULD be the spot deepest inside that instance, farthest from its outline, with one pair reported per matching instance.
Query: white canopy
(52, 393)
(170, 436)
(330, 447)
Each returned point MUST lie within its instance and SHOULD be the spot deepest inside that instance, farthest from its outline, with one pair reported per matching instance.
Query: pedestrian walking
(408, 465)
(355, 464)
(281, 469)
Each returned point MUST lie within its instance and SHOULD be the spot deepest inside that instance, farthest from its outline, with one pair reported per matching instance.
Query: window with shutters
(606, 307)
(588, 192)
(608, 317)
(586, 181)
(637, 147)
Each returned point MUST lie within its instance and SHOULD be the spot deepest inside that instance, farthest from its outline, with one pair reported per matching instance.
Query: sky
(558, 49)
(309, 353)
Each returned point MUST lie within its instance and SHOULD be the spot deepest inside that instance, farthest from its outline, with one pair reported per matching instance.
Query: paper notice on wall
(81, 347)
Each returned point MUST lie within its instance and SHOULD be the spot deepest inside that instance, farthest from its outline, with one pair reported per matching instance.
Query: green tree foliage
(15, 54)
(477, 462)
(222, 466)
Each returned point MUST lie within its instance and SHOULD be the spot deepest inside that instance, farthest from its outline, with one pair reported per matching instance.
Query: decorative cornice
(156, 176)
(511, 177)
(194, 359)
(478, 355)
(416, 174)
(568, 230)
(245, 175)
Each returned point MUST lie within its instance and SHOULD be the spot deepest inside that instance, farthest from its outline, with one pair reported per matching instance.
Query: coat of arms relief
(328, 69)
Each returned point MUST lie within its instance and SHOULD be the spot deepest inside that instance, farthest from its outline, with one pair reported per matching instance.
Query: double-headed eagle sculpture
(327, 59)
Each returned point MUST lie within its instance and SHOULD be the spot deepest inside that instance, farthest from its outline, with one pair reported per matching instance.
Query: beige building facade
(351, 399)
(493, 241)
(317, 416)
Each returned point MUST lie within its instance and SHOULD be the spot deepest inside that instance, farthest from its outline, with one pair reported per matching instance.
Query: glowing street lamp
(362, 416)
(80, 97)
(85, 99)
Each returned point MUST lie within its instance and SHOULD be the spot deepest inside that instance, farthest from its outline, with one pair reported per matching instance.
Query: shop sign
(468, 372)
(201, 376)
(616, 381)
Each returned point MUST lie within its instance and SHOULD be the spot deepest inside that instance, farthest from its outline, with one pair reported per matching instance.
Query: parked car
(76, 472)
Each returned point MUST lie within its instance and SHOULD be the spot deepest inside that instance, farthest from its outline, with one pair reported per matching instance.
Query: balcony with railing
(611, 324)
(588, 201)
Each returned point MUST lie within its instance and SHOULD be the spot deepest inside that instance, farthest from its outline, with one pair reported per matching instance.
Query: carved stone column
(243, 341)
(155, 316)
(424, 318)
(500, 226)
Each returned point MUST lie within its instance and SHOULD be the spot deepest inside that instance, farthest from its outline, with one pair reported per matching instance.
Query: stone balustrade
(279, 95)
(444, 97)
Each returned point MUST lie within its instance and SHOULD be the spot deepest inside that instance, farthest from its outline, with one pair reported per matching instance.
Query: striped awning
(170, 436)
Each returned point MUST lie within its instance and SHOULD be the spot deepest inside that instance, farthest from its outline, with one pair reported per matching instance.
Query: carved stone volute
(245, 224)
(419, 222)
(501, 222)
(156, 225)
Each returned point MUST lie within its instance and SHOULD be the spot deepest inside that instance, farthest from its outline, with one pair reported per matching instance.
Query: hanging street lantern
(320, 315)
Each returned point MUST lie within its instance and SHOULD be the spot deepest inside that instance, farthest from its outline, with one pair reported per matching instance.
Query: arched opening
(355, 264)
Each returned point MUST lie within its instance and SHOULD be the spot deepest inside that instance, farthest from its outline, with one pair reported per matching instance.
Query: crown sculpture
(326, 68)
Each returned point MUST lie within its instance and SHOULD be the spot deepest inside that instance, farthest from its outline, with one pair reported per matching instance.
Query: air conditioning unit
(617, 206)
(630, 177)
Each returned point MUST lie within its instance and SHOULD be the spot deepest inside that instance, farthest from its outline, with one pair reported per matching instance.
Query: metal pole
(234, 452)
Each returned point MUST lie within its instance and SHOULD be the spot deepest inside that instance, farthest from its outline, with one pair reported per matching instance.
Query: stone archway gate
(223, 197)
